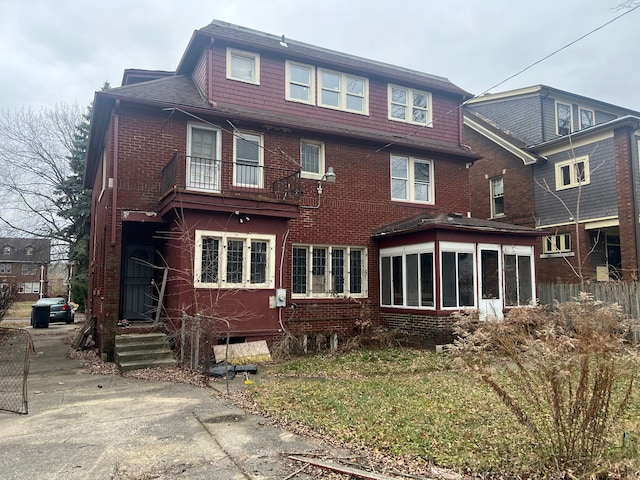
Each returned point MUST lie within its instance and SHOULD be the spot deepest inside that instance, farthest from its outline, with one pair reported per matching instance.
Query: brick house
(565, 164)
(24, 264)
(265, 176)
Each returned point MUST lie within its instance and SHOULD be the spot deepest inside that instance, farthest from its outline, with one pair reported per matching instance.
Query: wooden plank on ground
(342, 469)
(243, 353)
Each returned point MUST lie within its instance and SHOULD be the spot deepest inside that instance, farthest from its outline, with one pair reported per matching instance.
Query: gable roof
(546, 90)
(451, 221)
(500, 136)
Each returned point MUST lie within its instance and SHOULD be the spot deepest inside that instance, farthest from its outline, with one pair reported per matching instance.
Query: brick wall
(626, 207)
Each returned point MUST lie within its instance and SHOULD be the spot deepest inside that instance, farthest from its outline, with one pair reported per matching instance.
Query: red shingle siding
(270, 95)
(200, 71)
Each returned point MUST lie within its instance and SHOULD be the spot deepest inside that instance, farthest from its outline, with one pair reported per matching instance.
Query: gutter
(114, 187)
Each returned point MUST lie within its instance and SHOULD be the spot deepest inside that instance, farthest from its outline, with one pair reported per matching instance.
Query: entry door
(138, 296)
(490, 283)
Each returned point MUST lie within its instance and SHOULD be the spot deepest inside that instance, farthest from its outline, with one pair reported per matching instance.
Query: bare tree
(34, 158)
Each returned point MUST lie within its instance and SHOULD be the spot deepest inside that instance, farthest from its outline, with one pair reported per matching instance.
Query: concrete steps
(134, 351)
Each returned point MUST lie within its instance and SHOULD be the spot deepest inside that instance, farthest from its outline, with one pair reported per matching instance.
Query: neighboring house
(24, 263)
(262, 183)
(566, 164)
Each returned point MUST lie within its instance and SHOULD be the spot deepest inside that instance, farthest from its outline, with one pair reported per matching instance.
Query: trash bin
(40, 316)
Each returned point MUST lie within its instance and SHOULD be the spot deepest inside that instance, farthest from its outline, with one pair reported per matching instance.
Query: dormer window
(410, 106)
(29, 251)
(563, 118)
(343, 92)
(243, 66)
(7, 250)
(586, 118)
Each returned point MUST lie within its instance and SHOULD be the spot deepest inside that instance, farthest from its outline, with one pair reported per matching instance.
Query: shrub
(567, 374)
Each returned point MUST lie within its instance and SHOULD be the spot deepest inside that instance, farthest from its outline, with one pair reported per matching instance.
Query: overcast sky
(62, 51)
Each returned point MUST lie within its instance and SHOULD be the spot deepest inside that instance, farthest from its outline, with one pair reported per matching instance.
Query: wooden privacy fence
(627, 295)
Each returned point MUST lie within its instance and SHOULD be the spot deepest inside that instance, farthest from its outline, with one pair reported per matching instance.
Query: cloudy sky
(62, 51)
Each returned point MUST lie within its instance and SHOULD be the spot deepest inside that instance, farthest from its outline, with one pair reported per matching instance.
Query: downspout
(114, 191)
(633, 150)
(209, 74)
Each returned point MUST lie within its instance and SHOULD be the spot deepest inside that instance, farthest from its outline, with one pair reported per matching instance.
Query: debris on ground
(225, 369)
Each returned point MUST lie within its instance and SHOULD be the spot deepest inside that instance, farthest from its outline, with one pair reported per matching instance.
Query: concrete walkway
(83, 426)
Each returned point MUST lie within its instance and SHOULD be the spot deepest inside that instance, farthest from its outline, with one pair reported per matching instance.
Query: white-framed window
(5, 268)
(29, 251)
(324, 271)
(587, 118)
(234, 260)
(300, 80)
(558, 243)
(29, 287)
(343, 92)
(248, 160)
(312, 159)
(519, 281)
(410, 106)
(203, 158)
(7, 250)
(497, 197)
(457, 275)
(572, 173)
(411, 179)
(243, 66)
(407, 276)
(29, 269)
(564, 118)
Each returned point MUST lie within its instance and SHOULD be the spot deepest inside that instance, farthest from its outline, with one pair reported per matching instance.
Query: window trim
(411, 180)
(329, 273)
(410, 92)
(557, 117)
(457, 248)
(494, 197)
(520, 251)
(593, 117)
(321, 160)
(573, 180)
(565, 249)
(218, 155)
(235, 52)
(240, 135)
(223, 238)
(289, 82)
(342, 92)
(403, 252)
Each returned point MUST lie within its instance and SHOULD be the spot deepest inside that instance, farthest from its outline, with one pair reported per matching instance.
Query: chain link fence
(15, 348)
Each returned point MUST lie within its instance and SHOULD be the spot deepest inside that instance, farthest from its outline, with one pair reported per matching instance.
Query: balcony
(212, 181)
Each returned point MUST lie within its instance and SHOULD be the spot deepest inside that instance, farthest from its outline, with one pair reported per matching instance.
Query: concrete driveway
(83, 426)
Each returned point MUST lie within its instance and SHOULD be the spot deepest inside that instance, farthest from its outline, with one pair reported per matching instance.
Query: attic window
(563, 118)
(243, 66)
(7, 250)
(29, 251)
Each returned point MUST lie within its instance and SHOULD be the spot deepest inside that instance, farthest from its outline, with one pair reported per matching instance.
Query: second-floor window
(343, 92)
(29, 269)
(243, 66)
(558, 243)
(203, 158)
(497, 197)
(227, 259)
(572, 173)
(408, 105)
(411, 179)
(563, 118)
(5, 268)
(247, 160)
(312, 159)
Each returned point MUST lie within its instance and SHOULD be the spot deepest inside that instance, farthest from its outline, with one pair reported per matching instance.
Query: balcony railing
(225, 177)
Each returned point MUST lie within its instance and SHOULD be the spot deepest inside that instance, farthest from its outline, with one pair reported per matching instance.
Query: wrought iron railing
(200, 174)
